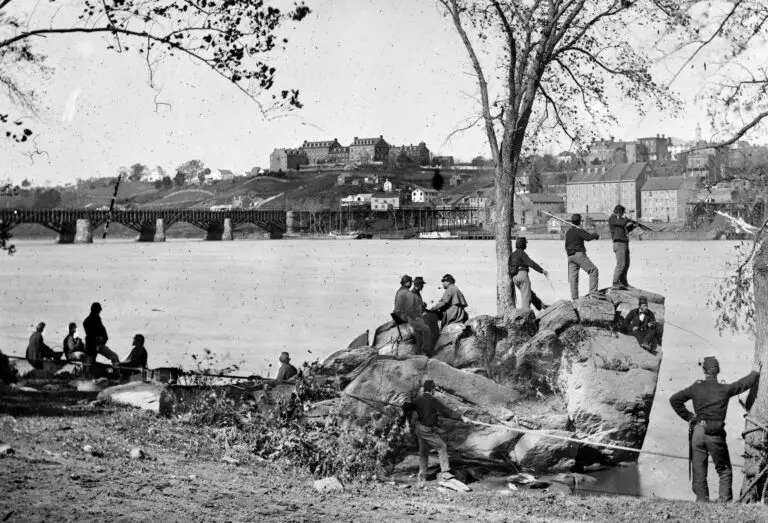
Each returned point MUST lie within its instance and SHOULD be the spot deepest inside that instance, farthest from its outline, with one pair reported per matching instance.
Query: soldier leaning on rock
(707, 425)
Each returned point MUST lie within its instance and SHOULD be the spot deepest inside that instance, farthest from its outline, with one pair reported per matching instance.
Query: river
(249, 300)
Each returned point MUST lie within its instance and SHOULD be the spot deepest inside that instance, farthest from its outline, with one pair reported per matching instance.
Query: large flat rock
(148, 396)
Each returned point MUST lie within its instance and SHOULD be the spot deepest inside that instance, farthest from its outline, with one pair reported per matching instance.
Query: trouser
(621, 250)
(645, 335)
(523, 282)
(580, 261)
(705, 445)
(528, 297)
(428, 437)
(422, 334)
(107, 353)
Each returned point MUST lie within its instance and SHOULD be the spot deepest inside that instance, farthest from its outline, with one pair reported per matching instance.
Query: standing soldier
(577, 256)
(707, 427)
(427, 409)
(519, 264)
(620, 226)
(421, 330)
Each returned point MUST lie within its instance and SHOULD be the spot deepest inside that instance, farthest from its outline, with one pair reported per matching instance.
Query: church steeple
(698, 132)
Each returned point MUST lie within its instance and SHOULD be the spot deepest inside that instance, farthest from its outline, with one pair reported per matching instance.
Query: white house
(384, 202)
(422, 195)
(151, 176)
(354, 200)
(387, 186)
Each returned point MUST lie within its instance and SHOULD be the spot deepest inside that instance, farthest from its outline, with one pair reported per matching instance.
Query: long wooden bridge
(77, 225)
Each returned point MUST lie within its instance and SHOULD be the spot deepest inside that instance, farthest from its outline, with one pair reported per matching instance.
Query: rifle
(563, 221)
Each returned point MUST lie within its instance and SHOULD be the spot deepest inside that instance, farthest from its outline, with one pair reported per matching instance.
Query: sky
(364, 68)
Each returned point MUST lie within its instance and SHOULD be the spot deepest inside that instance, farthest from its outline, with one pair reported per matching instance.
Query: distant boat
(342, 235)
(436, 235)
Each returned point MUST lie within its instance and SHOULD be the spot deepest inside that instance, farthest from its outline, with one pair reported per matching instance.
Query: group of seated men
(73, 349)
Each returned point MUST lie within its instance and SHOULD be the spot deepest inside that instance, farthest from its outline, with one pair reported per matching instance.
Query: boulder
(558, 316)
(386, 383)
(539, 359)
(147, 396)
(609, 383)
(331, 484)
(393, 340)
(360, 341)
(631, 295)
(347, 360)
(484, 340)
(596, 311)
(539, 452)
(473, 389)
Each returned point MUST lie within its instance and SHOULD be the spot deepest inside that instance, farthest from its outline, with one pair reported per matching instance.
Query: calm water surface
(249, 300)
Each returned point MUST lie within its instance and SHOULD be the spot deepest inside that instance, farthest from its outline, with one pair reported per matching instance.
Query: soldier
(287, 372)
(421, 331)
(706, 434)
(452, 304)
(620, 226)
(403, 298)
(577, 256)
(519, 264)
(427, 409)
(37, 350)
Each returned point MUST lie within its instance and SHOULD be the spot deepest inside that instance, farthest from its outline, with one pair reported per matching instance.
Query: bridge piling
(79, 231)
(218, 231)
(152, 232)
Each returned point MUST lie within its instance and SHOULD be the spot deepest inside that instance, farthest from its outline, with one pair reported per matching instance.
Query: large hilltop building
(361, 151)
(287, 159)
(652, 149)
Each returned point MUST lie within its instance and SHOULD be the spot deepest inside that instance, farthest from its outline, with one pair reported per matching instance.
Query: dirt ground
(49, 477)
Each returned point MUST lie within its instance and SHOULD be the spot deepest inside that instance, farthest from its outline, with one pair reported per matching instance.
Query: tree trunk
(756, 443)
(505, 290)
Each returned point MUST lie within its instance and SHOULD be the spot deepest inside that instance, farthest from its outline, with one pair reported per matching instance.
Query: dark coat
(620, 227)
(37, 350)
(95, 334)
(710, 398)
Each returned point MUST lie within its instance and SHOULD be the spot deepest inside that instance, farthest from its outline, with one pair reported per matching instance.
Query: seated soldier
(137, 359)
(641, 323)
(74, 348)
(37, 350)
(287, 372)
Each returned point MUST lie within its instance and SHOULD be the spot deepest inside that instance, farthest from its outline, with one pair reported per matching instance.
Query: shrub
(279, 430)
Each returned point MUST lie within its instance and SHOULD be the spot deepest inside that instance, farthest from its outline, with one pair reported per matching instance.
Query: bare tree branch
(736, 136)
(453, 9)
(707, 41)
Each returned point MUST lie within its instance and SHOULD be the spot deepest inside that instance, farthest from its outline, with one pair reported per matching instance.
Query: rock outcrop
(570, 372)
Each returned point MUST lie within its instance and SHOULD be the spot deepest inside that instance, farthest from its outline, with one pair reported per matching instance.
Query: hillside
(302, 191)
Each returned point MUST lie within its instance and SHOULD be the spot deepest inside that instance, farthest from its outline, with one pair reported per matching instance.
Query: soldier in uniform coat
(452, 304)
(707, 426)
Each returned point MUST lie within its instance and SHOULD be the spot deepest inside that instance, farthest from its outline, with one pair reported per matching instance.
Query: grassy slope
(50, 478)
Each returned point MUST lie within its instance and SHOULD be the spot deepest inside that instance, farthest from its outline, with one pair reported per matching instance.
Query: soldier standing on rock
(577, 257)
(707, 427)
(427, 409)
(421, 331)
(519, 264)
(620, 226)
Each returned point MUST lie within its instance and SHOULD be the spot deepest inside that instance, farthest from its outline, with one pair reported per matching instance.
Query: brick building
(600, 190)
(417, 154)
(665, 198)
(368, 150)
(319, 152)
(657, 147)
(287, 159)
